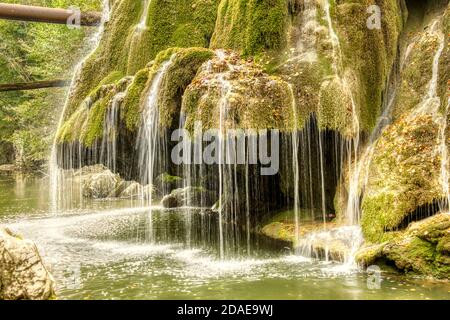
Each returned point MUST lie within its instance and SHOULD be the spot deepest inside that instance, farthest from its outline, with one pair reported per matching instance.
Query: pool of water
(102, 251)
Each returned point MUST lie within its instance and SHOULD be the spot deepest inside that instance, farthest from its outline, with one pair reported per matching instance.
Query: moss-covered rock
(251, 26)
(126, 46)
(249, 98)
(420, 249)
(404, 174)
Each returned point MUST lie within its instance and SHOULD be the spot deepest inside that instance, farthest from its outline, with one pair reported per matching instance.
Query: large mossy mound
(86, 124)
(246, 97)
(126, 46)
(404, 174)
(265, 30)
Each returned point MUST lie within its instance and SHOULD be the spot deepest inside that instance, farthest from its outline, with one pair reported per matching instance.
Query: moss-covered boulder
(238, 93)
(404, 174)
(423, 248)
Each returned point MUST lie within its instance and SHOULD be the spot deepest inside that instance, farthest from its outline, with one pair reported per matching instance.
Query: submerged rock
(22, 272)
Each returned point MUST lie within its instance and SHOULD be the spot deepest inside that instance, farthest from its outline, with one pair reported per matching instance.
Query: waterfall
(57, 175)
(152, 153)
(430, 104)
(108, 154)
(296, 169)
(431, 101)
(143, 21)
(352, 212)
(223, 107)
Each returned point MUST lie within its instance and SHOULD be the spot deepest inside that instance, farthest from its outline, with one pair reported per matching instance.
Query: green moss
(280, 231)
(111, 54)
(369, 53)
(111, 78)
(130, 109)
(251, 26)
(124, 50)
(255, 101)
(368, 255)
(167, 178)
(172, 24)
(179, 75)
(93, 127)
(70, 131)
(412, 254)
(403, 175)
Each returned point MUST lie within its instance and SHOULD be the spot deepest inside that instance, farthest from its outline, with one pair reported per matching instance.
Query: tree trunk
(58, 83)
(48, 15)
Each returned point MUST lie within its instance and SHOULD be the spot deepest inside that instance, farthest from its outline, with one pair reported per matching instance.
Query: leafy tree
(31, 52)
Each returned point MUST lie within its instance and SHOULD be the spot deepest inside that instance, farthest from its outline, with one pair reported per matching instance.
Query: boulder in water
(423, 248)
(100, 185)
(22, 272)
(189, 196)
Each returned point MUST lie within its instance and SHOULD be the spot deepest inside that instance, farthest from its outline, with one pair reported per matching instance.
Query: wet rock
(100, 185)
(170, 201)
(22, 272)
(135, 190)
(7, 168)
(422, 248)
(165, 183)
(189, 196)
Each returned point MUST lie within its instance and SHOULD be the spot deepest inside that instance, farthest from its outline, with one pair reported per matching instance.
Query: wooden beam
(47, 15)
(58, 83)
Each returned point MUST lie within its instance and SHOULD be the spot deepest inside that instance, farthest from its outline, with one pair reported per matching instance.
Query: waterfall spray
(149, 141)
(56, 174)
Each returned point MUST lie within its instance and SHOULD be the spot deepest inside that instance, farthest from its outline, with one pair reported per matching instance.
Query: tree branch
(58, 83)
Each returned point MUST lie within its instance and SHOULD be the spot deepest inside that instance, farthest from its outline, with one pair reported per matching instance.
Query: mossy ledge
(424, 248)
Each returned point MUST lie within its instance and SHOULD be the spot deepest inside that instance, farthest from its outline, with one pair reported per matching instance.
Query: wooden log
(58, 83)
(47, 15)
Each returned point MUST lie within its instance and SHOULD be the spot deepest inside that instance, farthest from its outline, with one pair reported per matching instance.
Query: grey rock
(23, 275)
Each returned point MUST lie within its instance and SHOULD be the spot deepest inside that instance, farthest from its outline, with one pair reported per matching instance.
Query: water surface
(104, 251)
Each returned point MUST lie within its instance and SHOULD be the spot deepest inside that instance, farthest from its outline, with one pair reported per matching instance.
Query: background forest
(31, 52)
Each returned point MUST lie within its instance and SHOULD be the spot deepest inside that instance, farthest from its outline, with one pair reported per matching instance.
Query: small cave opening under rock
(420, 10)
(420, 213)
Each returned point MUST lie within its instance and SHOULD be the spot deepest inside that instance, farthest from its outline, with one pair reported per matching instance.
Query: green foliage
(31, 52)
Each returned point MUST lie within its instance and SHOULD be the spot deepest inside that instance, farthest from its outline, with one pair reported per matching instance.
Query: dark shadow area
(421, 213)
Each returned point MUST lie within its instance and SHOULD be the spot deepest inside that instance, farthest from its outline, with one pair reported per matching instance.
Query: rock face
(424, 248)
(22, 272)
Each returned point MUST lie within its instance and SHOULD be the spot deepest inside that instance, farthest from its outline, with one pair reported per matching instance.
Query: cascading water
(151, 144)
(57, 187)
(306, 246)
(143, 22)
(108, 154)
(296, 169)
